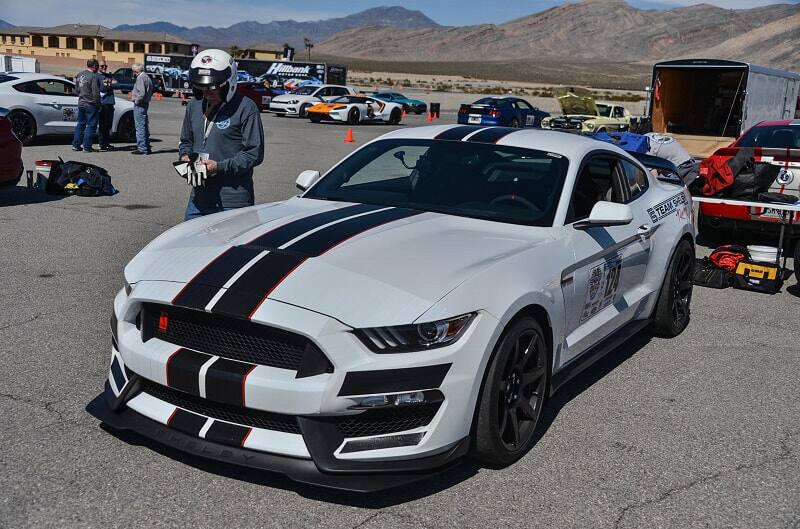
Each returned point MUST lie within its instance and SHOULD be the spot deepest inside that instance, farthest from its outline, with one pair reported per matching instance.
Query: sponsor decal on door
(603, 286)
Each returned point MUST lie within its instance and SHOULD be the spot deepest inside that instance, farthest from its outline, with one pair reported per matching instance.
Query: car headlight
(415, 337)
(590, 126)
(293, 102)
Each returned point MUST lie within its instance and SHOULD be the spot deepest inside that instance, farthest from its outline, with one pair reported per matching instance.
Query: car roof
(778, 123)
(29, 76)
(573, 146)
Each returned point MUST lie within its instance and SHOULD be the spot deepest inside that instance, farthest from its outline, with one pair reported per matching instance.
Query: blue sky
(226, 12)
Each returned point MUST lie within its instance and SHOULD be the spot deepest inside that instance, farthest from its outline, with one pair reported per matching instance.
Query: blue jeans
(193, 211)
(142, 123)
(86, 127)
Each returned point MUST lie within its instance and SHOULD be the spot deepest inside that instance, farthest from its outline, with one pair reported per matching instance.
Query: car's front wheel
(303, 113)
(513, 394)
(395, 117)
(23, 125)
(672, 311)
(354, 117)
(126, 128)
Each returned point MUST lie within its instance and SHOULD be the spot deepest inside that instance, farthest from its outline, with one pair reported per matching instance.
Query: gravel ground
(699, 431)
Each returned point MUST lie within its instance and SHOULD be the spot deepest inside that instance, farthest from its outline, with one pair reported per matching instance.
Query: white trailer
(16, 63)
(707, 103)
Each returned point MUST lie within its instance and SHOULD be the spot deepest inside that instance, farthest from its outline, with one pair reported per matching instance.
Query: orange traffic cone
(349, 136)
(430, 116)
(158, 96)
(405, 113)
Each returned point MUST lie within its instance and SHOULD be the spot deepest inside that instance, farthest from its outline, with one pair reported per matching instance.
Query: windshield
(485, 181)
(603, 110)
(780, 136)
(305, 90)
(490, 101)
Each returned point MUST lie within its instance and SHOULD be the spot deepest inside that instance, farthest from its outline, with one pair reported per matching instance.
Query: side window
(56, 88)
(619, 112)
(635, 178)
(595, 183)
(322, 92)
(340, 91)
(522, 105)
(31, 87)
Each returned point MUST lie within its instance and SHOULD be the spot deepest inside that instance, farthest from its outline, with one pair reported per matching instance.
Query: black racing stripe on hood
(283, 234)
(250, 290)
(458, 133)
(491, 135)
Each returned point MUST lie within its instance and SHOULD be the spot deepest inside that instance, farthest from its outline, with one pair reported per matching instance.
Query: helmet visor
(207, 78)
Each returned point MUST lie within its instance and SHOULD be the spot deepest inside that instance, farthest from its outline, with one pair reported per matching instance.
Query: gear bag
(78, 178)
(727, 257)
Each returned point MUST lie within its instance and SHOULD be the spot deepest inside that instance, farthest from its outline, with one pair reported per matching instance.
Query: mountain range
(252, 33)
(593, 31)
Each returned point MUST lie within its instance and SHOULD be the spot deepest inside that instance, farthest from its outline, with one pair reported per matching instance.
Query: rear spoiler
(667, 172)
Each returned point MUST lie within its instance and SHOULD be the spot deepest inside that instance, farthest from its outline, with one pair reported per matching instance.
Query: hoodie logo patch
(224, 124)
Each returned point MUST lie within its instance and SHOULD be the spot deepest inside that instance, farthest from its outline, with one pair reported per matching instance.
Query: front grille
(390, 420)
(225, 412)
(233, 338)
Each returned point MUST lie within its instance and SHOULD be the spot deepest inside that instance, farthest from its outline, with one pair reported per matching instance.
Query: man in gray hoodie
(142, 92)
(87, 84)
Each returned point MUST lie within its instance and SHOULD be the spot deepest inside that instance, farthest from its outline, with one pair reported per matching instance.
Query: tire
(303, 112)
(24, 126)
(395, 117)
(797, 260)
(126, 128)
(673, 309)
(354, 117)
(514, 392)
(601, 130)
(314, 120)
(420, 110)
(514, 123)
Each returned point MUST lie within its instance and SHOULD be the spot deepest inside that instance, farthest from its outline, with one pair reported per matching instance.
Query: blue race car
(507, 111)
(409, 105)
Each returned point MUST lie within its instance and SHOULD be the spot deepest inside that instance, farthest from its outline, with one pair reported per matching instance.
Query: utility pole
(308, 45)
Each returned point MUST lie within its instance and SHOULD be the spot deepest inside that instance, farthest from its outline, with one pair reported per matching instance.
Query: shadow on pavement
(19, 195)
(438, 482)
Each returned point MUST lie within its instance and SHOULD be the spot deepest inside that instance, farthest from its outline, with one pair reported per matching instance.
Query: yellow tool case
(759, 276)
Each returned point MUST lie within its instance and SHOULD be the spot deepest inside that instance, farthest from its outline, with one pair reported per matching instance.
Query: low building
(81, 41)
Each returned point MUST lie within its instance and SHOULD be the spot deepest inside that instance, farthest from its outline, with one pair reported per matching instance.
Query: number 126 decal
(603, 286)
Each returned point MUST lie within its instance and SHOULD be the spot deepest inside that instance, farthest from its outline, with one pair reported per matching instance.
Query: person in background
(142, 92)
(223, 131)
(106, 107)
(87, 84)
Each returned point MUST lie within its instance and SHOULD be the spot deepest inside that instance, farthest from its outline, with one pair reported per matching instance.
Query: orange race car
(355, 109)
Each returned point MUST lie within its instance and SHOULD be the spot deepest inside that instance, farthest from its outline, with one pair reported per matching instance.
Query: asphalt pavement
(702, 430)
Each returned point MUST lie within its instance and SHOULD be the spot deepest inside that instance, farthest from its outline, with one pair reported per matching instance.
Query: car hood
(284, 98)
(576, 101)
(387, 275)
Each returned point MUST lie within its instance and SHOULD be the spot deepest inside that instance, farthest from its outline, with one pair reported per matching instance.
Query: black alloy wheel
(304, 110)
(395, 117)
(514, 123)
(673, 309)
(514, 394)
(354, 117)
(23, 125)
(126, 128)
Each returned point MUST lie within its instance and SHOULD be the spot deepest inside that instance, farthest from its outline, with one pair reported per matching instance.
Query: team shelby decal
(240, 279)
(207, 376)
(667, 207)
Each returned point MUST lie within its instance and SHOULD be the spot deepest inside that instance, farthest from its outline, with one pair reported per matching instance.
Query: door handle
(645, 229)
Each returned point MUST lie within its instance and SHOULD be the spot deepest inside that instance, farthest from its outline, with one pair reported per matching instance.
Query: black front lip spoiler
(372, 479)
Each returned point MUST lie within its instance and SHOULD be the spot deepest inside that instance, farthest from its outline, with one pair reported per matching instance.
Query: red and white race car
(773, 142)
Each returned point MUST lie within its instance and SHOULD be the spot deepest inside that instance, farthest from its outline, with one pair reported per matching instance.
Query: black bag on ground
(750, 177)
(87, 180)
(706, 274)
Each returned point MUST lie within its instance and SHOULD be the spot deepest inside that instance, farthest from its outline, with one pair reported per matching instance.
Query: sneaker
(77, 149)
(145, 153)
(106, 147)
(89, 150)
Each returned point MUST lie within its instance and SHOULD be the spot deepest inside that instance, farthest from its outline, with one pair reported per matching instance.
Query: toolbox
(758, 276)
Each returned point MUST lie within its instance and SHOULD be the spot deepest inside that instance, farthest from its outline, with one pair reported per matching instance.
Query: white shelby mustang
(297, 102)
(416, 304)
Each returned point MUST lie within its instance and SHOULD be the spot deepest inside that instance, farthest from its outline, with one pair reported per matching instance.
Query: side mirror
(606, 214)
(306, 179)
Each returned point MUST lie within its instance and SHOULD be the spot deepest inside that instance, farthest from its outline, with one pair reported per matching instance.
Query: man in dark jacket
(87, 84)
(223, 130)
(106, 107)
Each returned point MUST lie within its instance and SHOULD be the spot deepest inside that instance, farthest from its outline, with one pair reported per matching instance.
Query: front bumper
(285, 109)
(369, 477)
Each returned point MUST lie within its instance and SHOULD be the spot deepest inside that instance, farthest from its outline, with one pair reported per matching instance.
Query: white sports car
(416, 304)
(356, 109)
(297, 102)
(44, 105)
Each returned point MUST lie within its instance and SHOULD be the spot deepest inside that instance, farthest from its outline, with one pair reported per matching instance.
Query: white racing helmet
(213, 69)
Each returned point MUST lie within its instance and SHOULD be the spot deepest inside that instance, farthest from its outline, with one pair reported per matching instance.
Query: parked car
(409, 105)
(11, 166)
(41, 104)
(297, 102)
(261, 95)
(582, 114)
(356, 109)
(419, 302)
(122, 80)
(776, 143)
(507, 111)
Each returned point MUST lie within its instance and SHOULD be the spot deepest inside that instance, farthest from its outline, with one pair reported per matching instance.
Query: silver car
(42, 104)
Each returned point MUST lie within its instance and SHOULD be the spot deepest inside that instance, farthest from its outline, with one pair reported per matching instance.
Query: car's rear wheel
(126, 128)
(23, 125)
(513, 394)
(514, 123)
(354, 117)
(304, 111)
(672, 311)
(315, 120)
(797, 260)
(395, 116)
